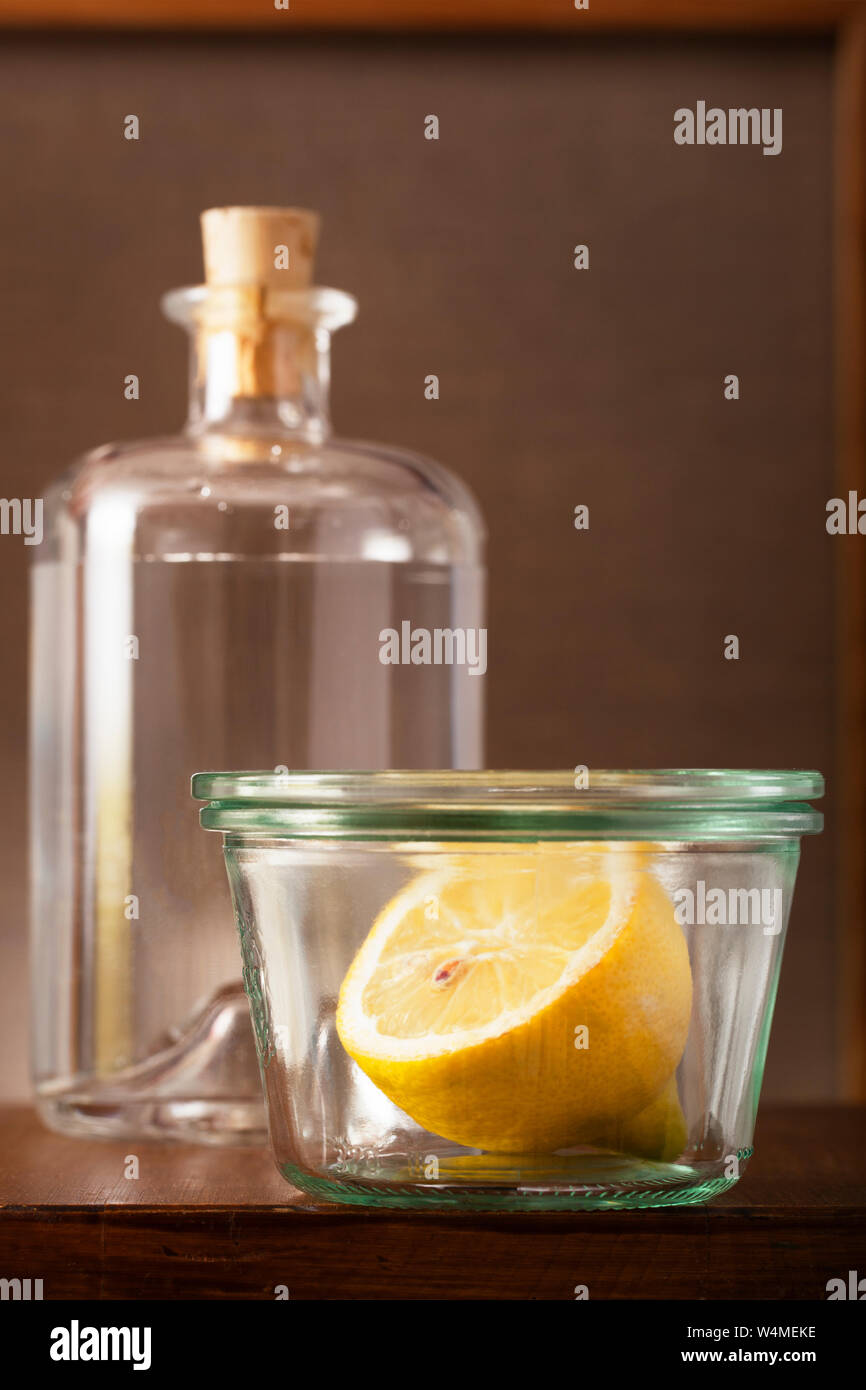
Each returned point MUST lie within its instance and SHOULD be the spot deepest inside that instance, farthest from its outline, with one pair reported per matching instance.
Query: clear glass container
(501, 991)
(216, 599)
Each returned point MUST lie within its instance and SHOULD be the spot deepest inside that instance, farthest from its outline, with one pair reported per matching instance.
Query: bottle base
(220, 1123)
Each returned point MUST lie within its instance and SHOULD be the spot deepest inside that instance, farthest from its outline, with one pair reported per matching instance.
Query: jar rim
(663, 803)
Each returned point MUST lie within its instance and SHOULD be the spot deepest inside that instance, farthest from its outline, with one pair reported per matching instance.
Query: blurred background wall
(558, 386)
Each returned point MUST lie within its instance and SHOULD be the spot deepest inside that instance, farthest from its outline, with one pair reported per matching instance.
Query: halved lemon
(658, 1132)
(524, 1003)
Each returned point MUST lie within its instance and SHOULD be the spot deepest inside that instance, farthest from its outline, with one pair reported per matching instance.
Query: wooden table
(211, 1223)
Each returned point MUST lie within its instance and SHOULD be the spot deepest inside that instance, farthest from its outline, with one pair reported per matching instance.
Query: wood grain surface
(213, 1224)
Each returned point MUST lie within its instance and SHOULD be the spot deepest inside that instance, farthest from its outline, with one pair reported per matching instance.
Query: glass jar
(510, 991)
(221, 598)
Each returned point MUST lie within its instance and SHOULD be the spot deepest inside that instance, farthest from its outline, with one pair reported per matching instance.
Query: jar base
(630, 1185)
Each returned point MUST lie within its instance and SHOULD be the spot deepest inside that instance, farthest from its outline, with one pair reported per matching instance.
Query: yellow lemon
(523, 1003)
(658, 1132)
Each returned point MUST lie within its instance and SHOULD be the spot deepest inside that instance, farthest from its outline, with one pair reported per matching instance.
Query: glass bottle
(253, 593)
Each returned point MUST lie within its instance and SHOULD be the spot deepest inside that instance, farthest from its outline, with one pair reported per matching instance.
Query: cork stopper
(251, 255)
(267, 248)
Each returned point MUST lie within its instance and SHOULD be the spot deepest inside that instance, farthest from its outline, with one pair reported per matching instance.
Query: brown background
(557, 386)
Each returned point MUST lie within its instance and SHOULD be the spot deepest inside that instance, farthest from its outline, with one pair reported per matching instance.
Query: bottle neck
(260, 379)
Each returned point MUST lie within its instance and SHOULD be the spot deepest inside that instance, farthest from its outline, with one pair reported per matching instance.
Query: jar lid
(674, 804)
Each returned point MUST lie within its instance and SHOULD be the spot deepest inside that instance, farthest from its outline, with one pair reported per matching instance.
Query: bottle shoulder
(339, 498)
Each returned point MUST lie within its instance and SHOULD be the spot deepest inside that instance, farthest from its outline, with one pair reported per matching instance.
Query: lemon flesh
(529, 1003)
